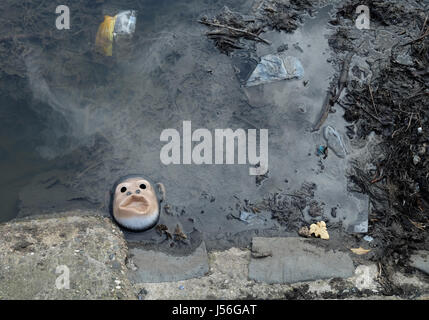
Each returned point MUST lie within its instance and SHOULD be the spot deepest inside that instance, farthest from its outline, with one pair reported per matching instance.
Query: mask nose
(137, 191)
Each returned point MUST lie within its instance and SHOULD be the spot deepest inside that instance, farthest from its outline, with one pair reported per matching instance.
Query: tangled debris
(394, 105)
(390, 97)
(289, 208)
(333, 94)
(229, 28)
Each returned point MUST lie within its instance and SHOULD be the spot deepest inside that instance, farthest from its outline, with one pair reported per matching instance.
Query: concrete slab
(152, 266)
(228, 280)
(289, 260)
(420, 261)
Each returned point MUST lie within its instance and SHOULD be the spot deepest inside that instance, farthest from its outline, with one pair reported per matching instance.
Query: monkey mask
(134, 203)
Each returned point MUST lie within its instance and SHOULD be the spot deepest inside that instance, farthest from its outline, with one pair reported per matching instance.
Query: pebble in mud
(334, 212)
(283, 48)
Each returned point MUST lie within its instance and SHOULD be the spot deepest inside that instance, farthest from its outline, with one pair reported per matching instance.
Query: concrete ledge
(153, 266)
(228, 279)
(289, 260)
(34, 254)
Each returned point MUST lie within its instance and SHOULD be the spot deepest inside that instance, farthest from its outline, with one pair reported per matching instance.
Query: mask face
(135, 204)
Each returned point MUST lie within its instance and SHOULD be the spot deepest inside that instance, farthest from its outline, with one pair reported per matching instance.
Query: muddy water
(291, 109)
(19, 158)
(115, 110)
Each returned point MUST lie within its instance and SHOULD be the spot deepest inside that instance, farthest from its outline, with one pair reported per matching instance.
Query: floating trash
(125, 23)
(275, 67)
(368, 238)
(321, 150)
(122, 24)
(360, 251)
(335, 142)
(319, 229)
(247, 216)
(104, 39)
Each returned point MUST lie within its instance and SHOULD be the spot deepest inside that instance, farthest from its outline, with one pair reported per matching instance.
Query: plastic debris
(368, 238)
(321, 150)
(335, 142)
(420, 130)
(275, 67)
(124, 23)
(319, 229)
(360, 251)
(104, 39)
(181, 288)
(416, 160)
(248, 217)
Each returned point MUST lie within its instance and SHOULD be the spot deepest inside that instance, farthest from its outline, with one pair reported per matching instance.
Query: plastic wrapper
(275, 67)
(104, 39)
(112, 28)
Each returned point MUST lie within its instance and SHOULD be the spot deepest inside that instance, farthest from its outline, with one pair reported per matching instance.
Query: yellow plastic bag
(104, 39)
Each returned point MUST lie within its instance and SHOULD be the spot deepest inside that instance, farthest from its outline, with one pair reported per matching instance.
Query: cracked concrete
(36, 254)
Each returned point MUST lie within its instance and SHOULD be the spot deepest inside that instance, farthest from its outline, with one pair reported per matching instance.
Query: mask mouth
(136, 204)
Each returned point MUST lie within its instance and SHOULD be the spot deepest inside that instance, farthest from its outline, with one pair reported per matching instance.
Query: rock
(416, 282)
(295, 260)
(154, 266)
(36, 255)
(420, 261)
(304, 232)
(366, 277)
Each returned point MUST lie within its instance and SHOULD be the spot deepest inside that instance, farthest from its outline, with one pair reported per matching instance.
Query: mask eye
(123, 189)
(143, 186)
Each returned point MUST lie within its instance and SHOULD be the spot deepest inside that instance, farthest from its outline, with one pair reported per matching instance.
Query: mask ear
(161, 191)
